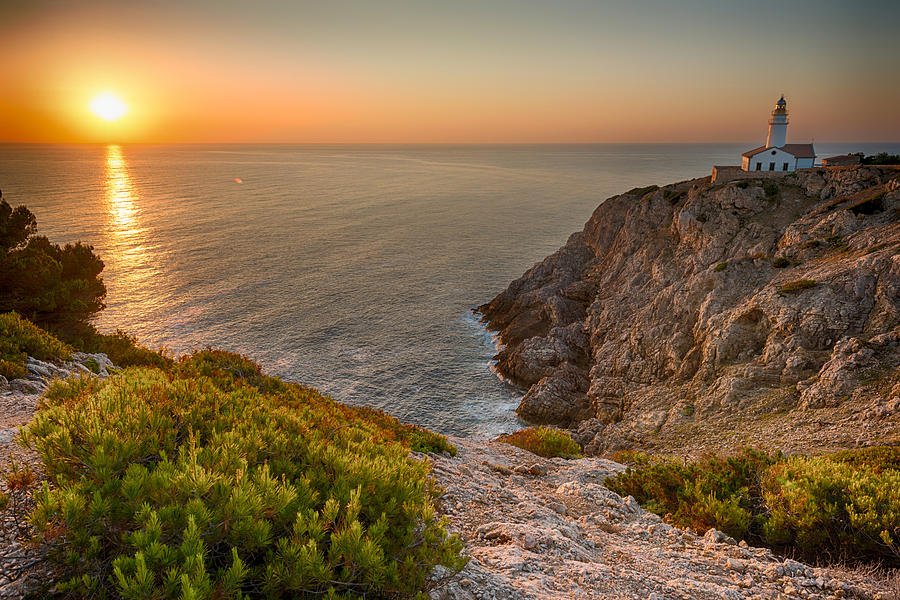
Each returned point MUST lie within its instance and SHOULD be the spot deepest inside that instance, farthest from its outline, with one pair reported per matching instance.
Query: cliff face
(692, 309)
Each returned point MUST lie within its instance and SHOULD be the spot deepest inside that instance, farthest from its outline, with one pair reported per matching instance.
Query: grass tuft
(795, 287)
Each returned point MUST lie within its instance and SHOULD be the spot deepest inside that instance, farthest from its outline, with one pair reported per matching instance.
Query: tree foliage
(57, 287)
(213, 481)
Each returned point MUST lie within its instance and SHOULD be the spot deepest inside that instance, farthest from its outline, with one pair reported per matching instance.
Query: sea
(353, 269)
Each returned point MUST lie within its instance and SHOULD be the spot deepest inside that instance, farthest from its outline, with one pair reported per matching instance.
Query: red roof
(800, 150)
(754, 151)
(797, 150)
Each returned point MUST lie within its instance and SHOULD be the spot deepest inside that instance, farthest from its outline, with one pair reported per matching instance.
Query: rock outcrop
(538, 529)
(21, 566)
(679, 309)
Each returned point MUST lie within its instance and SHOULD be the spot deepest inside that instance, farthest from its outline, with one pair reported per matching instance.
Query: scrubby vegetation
(543, 441)
(795, 287)
(882, 158)
(781, 263)
(213, 480)
(721, 267)
(122, 349)
(843, 505)
(20, 338)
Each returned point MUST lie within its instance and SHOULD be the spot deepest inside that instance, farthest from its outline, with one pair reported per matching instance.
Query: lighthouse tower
(778, 125)
(777, 154)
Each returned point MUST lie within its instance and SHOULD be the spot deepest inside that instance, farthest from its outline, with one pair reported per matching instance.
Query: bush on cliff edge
(211, 482)
(548, 442)
(845, 505)
(20, 338)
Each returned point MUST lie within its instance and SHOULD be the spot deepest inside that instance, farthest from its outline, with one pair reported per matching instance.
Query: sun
(108, 107)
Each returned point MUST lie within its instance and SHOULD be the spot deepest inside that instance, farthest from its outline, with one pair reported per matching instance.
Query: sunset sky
(449, 71)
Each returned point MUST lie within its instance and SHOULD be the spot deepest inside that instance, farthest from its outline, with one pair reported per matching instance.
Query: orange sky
(464, 71)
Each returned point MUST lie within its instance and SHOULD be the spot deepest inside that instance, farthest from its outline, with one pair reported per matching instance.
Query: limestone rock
(667, 311)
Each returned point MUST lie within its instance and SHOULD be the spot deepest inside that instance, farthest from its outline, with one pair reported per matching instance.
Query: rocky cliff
(698, 316)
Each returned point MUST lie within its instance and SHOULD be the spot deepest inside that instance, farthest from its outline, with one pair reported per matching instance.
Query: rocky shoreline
(699, 316)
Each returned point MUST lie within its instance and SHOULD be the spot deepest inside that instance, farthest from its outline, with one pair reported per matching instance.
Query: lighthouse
(777, 154)
(778, 125)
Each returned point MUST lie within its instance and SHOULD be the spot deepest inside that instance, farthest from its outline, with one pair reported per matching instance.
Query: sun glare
(108, 107)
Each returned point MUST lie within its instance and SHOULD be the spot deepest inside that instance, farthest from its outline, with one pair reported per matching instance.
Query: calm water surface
(352, 269)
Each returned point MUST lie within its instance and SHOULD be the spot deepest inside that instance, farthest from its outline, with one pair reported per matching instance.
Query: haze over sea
(350, 268)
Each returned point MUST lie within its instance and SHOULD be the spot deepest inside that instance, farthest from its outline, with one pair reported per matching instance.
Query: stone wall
(724, 174)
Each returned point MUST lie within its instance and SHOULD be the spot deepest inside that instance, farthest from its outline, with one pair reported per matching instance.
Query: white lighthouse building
(777, 154)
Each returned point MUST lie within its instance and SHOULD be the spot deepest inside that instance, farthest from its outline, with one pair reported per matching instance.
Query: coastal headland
(696, 317)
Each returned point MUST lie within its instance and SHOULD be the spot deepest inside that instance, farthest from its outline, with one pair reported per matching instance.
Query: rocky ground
(533, 529)
(549, 529)
(697, 316)
(22, 566)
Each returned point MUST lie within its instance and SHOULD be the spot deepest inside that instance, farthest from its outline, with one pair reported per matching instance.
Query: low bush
(771, 190)
(714, 492)
(845, 505)
(812, 244)
(781, 262)
(122, 349)
(543, 441)
(720, 267)
(211, 481)
(882, 158)
(20, 338)
(795, 287)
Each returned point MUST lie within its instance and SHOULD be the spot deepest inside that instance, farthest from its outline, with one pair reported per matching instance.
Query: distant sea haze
(352, 269)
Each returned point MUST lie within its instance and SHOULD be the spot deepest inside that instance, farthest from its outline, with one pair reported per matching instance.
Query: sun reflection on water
(126, 253)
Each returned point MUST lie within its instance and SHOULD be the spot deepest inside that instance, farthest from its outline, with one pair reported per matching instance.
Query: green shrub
(812, 244)
(57, 287)
(819, 505)
(175, 485)
(543, 441)
(122, 349)
(714, 492)
(845, 504)
(771, 190)
(781, 262)
(20, 338)
(743, 184)
(882, 158)
(721, 267)
(795, 287)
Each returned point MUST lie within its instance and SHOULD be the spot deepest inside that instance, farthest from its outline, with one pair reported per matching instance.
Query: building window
(773, 153)
(771, 166)
(758, 166)
(784, 167)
